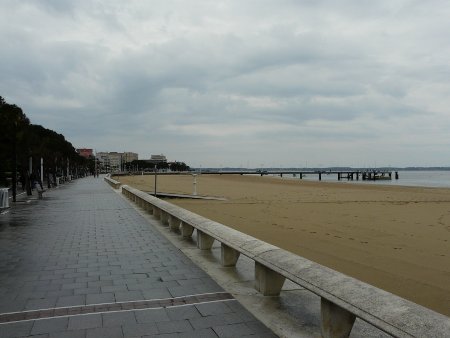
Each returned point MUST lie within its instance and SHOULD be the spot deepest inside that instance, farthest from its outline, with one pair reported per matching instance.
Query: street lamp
(195, 184)
(156, 175)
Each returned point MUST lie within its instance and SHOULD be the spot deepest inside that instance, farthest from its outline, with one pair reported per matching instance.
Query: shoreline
(393, 237)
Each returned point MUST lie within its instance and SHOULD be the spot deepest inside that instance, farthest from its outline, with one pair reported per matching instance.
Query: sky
(286, 83)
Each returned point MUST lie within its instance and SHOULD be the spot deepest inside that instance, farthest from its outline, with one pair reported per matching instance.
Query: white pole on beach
(195, 184)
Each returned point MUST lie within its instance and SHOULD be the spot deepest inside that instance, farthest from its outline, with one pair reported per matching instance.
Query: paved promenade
(83, 263)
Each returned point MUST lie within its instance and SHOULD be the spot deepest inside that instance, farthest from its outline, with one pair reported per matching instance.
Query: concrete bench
(113, 183)
(343, 298)
(40, 191)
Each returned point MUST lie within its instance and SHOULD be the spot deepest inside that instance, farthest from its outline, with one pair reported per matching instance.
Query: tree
(21, 140)
(179, 166)
(13, 123)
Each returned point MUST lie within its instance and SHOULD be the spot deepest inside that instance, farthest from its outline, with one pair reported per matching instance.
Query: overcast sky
(236, 83)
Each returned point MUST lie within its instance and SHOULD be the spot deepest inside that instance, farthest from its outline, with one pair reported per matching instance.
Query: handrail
(343, 298)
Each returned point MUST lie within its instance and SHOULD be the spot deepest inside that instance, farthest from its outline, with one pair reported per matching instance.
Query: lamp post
(156, 175)
(195, 184)
(14, 176)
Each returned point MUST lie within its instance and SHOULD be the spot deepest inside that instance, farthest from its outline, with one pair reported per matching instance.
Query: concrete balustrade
(204, 241)
(113, 183)
(267, 281)
(228, 256)
(156, 212)
(174, 223)
(336, 322)
(164, 217)
(343, 298)
(186, 230)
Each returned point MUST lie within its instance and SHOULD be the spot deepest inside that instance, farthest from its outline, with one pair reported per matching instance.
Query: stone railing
(343, 298)
(113, 183)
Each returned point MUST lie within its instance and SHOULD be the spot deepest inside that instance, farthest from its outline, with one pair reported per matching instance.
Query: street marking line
(12, 317)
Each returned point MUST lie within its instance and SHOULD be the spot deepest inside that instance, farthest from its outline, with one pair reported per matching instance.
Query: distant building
(103, 161)
(114, 161)
(85, 152)
(158, 158)
(129, 157)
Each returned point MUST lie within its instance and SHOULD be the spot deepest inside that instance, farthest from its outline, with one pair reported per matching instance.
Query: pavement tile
(105, 332)
(59, 293)
(71, 301)
(41, 303)
(86, 279)
(217, 320)
(156, 293)
(138, 330)
(202, 333)
(85, 322)
(118, 318)
(99, 283)
(16, 329)
(100, 298)
(151, 315)
(213, 308)
(183, 312)
(49, 325)
(114, 288)
(232, 330)
(68, 334)
(31, 295)
(174, 326)
(125, 296)
(78, 285)
(260, 329)
(85, 291)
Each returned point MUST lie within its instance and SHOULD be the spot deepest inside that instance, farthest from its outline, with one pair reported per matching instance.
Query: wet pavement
(83, 262)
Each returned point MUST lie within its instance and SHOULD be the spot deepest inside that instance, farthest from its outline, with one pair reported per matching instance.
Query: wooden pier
(350, 175)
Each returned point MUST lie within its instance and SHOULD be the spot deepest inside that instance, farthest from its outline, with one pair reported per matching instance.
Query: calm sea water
(438, 179)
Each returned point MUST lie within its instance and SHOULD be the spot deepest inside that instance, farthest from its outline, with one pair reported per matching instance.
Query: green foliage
(150, 166)
(179, 166)
(20, 139)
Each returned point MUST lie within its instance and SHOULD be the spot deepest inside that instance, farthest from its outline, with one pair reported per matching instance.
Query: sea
(422, 178)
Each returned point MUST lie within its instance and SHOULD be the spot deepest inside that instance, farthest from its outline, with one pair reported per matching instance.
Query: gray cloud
(232, 83)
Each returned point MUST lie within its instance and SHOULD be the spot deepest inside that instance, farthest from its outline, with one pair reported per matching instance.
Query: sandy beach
(396, 238)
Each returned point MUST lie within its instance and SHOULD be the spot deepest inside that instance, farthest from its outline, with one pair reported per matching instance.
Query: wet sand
(396, 238)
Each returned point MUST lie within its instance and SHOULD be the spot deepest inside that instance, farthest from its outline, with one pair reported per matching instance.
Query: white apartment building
(129, 156)
(113, 161)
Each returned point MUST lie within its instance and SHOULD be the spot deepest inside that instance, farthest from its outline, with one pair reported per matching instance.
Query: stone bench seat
(343, 298)
(113, 183)
(40, 191)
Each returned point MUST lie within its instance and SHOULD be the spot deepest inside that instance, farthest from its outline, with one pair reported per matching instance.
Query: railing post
(156, 212)
(267, 281)
(174, 223)
(204, 241)
(336, 322)
(164, 217)
(186, 230)
(149, 208)
(229, 256)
